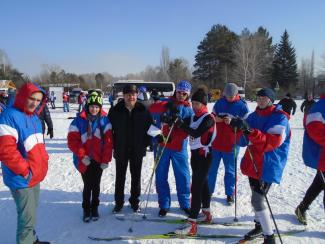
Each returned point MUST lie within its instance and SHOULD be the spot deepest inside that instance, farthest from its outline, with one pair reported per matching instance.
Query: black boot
(254, 233)
(162, 212)
(86, 216)
(269, 239)
(301, 213)
(94, 213)
(117, 208)
(41, 242)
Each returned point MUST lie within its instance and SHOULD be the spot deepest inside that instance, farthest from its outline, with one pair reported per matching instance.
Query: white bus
(164, 88)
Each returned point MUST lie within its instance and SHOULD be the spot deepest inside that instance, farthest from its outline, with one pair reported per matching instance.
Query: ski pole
(235, 162)
(323, 178)
(152, 174)
(264, 194)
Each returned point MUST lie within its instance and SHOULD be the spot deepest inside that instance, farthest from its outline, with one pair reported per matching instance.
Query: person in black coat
(288, 104)
(305, 106)
(130, 122)
(45, 118)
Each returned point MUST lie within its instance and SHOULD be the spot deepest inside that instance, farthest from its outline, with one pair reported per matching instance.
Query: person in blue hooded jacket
(266, 134)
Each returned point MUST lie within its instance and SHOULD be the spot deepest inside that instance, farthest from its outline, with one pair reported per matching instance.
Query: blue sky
(125, 36)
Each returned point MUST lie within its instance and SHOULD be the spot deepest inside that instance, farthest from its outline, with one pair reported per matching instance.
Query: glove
(164, 118)
(50, 132)
(86, 160)
(104, 166)
(240, 124)
(162, 139)
(179, 122)
(172, 107)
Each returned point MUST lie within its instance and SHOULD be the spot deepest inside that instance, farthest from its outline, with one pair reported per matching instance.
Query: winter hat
(266, 92)
(184, 86)
(230, 90)
(130, 88)
(288, 94)
(200, 96)
(95, 99)
(142, 89)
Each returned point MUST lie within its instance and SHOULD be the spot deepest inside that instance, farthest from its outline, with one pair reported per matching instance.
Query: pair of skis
(172, 235)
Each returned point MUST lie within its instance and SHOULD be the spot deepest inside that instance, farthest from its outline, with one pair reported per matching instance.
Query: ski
(170, 235)
(258, 239)
(178, 221)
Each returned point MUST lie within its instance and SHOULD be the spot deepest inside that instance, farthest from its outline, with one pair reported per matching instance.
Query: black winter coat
(45, 117)
(288, 104)
(306, 105)
(130, 129)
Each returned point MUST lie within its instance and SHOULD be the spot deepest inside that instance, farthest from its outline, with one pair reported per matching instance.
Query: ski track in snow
(59, 214)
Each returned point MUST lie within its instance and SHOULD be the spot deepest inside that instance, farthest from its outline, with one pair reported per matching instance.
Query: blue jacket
(313, 151)
(269, 144)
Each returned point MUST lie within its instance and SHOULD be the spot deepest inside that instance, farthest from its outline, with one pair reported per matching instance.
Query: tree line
(250, 59)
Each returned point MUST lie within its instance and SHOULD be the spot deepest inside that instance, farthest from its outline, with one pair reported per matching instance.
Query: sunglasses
(182, 93)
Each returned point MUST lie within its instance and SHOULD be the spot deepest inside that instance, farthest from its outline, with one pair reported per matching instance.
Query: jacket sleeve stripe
(278, 130)
(312, 117)
(6, 130)
(108, 127)
(84, 138)
(73, 128)
(32, 140)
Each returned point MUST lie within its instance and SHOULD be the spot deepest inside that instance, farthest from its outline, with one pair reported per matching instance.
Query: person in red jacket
(24, 157)
(90, 140)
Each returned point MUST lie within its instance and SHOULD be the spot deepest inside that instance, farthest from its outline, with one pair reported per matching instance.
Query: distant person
(24, 158)
(11, 97)
(45, 117)
(65, 98)
(3, 101)
(313, 154)
(288, 104)
(52, 98)
(144, 97)
(90, 140)
(82, 100)
(306, 106)
(130, 123)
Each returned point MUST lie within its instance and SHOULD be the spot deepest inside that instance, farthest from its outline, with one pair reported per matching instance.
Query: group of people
(170, 125)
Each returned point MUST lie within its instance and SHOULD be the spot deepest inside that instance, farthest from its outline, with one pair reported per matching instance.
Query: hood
(24, 93)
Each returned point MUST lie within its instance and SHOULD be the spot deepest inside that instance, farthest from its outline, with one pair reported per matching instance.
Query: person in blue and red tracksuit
(24, 157)
(175, 150)
(202, 131)
(229, 106)
(90, 140)
(313, 154)
(266, 133)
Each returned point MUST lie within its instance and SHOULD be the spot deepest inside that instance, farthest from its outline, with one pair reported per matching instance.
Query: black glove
(240, 124)
(50, 132)
(179, 122)
(172, 107)
(162, 139)
(164, 118)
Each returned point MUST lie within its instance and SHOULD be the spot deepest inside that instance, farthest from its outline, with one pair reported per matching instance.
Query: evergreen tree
(284, 70)
(214, 60)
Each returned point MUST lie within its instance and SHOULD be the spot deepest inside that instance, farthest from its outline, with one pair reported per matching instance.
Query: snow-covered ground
(59, 214)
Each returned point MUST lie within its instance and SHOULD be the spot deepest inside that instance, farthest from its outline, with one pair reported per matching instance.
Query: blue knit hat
(266, 92)
(184, 86)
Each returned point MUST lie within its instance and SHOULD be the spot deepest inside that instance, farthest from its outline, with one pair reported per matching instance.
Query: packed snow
(59, 216)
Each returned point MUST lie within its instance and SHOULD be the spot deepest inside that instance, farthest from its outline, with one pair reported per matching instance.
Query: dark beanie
(200, 96)
(130, 88)
(266, 92)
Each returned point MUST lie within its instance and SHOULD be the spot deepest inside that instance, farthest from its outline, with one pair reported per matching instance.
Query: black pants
(52, 105)
(314, 189)
(91, 179)
(135, 170)
(200, 189)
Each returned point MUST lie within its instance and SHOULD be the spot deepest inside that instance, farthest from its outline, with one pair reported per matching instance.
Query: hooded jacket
(22, 150)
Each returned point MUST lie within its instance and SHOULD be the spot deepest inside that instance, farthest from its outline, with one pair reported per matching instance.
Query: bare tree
(164, 64)
(179, 70)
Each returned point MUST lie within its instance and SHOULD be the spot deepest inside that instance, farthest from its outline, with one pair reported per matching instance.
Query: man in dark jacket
(306, 106)
(288, 104)
(45, 118)
(130, 123)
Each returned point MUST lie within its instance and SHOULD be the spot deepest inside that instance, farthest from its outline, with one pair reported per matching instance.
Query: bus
(164, 88)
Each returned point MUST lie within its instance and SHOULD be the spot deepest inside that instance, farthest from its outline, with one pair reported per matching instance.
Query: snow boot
(188, 229)
(117, 208)
(205, 216)
(94, 213)
(269, 239)
(86, 218)
(230, 199)
(301, 214)
(162, 212)
(135, 207)
(254, 233)
(41, 242)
